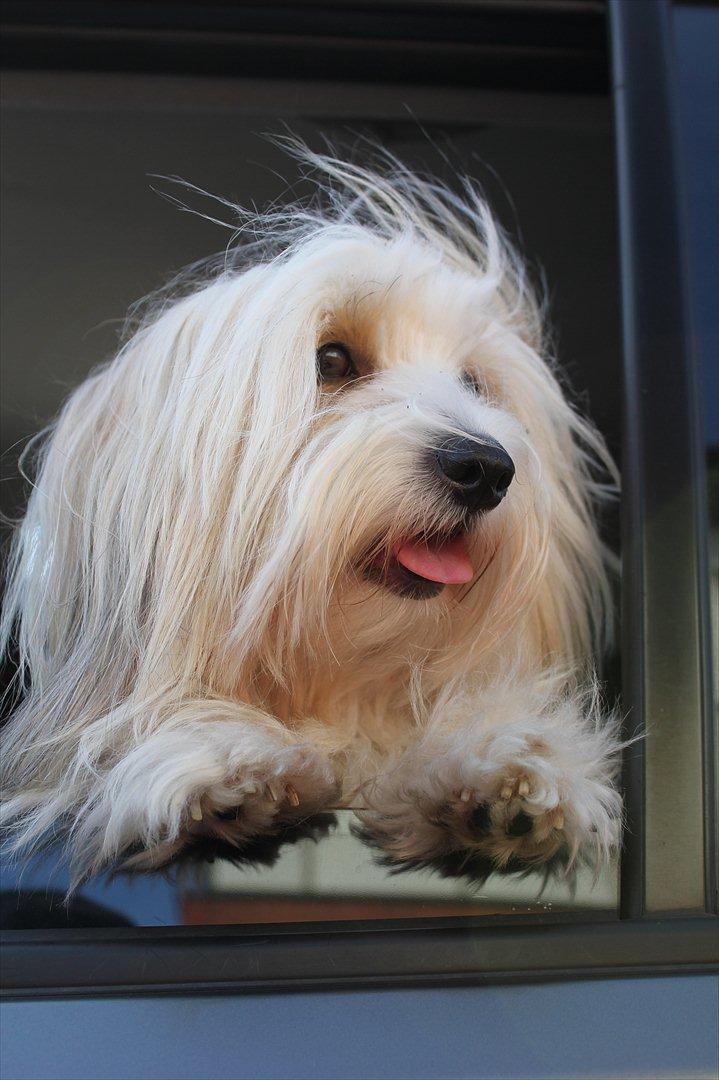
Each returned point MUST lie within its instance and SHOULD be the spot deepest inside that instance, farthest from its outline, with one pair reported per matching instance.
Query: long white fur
(186, 588)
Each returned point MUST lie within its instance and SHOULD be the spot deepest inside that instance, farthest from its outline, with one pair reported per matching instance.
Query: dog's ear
(109, 559)
(57, 555)
(65, 607)
(154, 494)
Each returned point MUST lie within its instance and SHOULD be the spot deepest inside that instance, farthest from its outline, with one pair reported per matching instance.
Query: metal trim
(348, 956)
(536, 46)
(662, 572)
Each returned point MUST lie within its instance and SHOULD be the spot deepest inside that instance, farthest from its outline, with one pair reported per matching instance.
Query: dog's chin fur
(213, 633)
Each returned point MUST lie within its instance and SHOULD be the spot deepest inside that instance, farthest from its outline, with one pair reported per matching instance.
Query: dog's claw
(523, 788)
(271, 792)
(506, 792)
(292, 796)
(196, 810)
(558, 819)
(465, 794)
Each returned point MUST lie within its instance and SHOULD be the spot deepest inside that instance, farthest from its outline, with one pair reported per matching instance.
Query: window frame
(656, 931)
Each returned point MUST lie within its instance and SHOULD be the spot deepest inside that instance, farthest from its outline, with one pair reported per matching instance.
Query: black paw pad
(480, 819)
(520, 825)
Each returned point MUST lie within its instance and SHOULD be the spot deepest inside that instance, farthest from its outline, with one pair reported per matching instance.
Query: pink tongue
(448, 562)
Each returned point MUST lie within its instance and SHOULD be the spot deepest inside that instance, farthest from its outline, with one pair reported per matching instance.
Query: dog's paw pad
(520, 825)
(481, 818)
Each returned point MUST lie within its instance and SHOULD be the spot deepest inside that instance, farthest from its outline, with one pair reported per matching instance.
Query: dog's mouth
(420, 568)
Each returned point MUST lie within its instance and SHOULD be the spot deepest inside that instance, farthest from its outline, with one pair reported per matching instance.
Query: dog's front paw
(511, 827)
(240, 784)
(294, 783)
(515, 799)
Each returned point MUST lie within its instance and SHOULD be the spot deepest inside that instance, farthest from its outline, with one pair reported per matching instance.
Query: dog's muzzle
(478, 473)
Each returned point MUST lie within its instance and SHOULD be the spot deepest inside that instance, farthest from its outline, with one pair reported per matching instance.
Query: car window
(87, 232)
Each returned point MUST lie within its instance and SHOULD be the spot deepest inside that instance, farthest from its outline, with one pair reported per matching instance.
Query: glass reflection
(319, 871)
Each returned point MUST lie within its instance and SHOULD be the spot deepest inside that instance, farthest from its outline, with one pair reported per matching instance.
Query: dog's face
(422, 461)
(414, 428)
(401, 356)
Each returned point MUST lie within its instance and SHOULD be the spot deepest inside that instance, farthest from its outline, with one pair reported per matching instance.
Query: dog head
(345, 455)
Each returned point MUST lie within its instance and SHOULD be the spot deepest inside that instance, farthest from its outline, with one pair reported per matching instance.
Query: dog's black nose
(479, 472)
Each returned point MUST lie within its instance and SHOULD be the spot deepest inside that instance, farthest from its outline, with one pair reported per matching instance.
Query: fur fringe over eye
(241, 592)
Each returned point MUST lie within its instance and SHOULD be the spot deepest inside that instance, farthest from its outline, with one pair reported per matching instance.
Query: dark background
(85, 236)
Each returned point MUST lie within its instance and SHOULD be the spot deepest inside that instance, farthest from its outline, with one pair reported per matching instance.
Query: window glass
(85, 235)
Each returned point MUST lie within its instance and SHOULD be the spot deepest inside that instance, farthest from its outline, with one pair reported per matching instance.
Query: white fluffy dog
(322, 531)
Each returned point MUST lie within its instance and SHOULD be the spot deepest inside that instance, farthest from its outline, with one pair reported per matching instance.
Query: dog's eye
(334, 362)
(470, 381)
